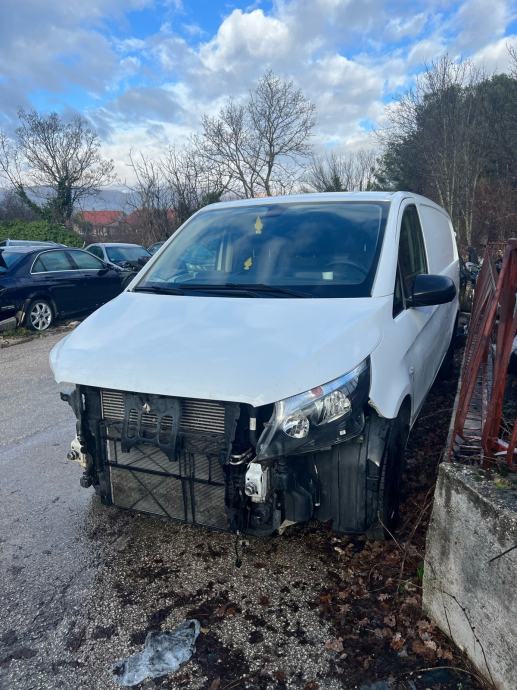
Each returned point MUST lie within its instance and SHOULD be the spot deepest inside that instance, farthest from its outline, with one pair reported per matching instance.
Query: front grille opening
(159, 467)
(190, 490)
(197, 415)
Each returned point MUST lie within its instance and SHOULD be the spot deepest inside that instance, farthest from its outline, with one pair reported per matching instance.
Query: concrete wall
(471, 598)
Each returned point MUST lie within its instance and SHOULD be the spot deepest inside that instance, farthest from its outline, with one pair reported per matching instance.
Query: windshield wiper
(159, 290)
(262, 287)
(252, 289)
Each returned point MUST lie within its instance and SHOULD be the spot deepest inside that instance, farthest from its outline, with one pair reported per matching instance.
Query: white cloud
(243, 36)
(480, 22)
(400, 27)
(495, 57)
(345, 81)
(425, 51)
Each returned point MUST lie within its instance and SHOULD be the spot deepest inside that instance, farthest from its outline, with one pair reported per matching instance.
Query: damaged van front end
(227, 465)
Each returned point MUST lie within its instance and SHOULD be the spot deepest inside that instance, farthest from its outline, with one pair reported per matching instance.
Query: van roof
(322, 196)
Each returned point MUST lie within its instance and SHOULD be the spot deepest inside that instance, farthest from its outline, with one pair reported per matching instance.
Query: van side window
(412, 258)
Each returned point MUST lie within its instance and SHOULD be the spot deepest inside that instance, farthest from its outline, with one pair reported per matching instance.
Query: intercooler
(166, 455)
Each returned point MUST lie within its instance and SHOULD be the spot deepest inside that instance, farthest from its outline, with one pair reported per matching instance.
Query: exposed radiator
(189, 490)
(197, 415)
(189, 484)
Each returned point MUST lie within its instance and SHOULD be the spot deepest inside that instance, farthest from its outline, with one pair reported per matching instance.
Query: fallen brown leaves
(334, 645)
(373, 590)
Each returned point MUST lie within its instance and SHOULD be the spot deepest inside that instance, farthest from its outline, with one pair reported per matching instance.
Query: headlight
(318, 418)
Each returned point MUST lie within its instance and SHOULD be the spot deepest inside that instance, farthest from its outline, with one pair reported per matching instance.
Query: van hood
(250, 350)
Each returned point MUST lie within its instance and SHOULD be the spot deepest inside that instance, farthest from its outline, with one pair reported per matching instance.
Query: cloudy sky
(144, 70)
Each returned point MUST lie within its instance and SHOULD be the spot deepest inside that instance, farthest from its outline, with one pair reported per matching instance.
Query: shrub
(40, 230)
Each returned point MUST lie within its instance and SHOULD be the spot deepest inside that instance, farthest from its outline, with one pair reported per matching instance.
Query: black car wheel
(39, 315)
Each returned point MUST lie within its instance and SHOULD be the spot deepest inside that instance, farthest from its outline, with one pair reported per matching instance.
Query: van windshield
(324, 249)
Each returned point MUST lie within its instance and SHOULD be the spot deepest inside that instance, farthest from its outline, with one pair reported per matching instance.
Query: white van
(266, 365)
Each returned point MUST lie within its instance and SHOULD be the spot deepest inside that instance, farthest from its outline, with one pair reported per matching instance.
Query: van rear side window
(438, 236)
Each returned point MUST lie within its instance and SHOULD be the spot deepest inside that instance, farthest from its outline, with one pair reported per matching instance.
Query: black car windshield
(116, 254)
(8, 259)
(321, 249)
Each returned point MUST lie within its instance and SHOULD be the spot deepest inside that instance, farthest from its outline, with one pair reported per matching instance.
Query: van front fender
(389, 387)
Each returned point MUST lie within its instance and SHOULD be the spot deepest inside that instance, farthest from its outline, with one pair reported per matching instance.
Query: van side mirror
(429, 290)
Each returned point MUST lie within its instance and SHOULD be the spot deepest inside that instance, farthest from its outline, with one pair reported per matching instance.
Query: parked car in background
(154, 247)
(29, 243)
(266, 366)
(129, 257)
(39, 285)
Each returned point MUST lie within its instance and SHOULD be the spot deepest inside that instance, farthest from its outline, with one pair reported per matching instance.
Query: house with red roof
(117, 226)
(101, 225)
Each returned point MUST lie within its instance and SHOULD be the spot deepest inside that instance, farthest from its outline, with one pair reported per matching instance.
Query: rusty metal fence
(480, 428)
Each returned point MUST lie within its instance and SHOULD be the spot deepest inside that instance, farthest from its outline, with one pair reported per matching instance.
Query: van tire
(388, 500)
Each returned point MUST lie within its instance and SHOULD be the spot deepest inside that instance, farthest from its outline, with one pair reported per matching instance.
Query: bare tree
(57, 159)
(167, 192)
(192, 180)
(152, 219)
(437, 130)
(13, 208)
(260, 142)
(513, 56)
(342, 173)
(326, 174)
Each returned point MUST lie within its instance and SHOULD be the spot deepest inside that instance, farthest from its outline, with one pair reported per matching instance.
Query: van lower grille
(189, 490)
(165, 455)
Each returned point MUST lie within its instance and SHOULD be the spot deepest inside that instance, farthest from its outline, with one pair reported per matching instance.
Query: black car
(39, 285)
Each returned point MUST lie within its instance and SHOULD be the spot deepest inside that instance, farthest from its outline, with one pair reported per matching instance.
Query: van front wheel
(390, 479)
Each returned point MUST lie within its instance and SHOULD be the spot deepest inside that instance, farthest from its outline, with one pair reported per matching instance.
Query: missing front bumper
(190, 489)
(197, 480)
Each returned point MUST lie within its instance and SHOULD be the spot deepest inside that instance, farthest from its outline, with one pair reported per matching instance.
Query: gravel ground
(83, 584)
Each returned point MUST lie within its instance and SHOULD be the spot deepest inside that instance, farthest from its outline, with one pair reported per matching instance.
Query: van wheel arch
(390, 473)
(350, 475)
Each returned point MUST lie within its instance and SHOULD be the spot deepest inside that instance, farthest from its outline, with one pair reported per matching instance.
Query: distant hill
(113, 199)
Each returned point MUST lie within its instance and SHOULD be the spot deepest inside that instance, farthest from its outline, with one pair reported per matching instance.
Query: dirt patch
(21, 335)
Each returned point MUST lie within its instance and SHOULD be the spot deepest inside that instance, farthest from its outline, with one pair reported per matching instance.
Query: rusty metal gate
(479, 427)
